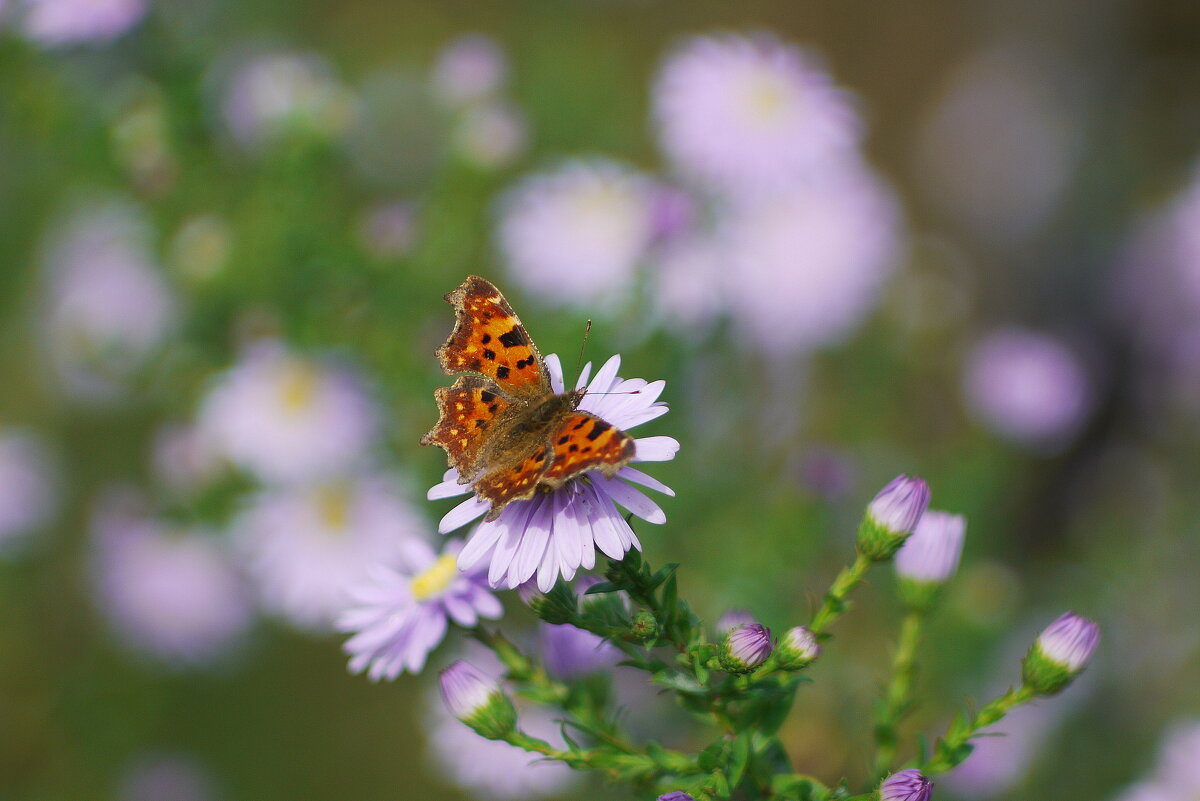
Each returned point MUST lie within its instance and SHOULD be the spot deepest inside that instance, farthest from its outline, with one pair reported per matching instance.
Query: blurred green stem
(835, 599)
(955, 746)
(898, 697)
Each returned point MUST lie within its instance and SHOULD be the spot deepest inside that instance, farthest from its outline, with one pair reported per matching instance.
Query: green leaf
(679, 682)
(604, 586)
(739, 757)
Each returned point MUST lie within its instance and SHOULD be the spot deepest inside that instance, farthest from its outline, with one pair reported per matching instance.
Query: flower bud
(797, 648)
(1059, 654)
(732, 619)
(929, 557)
(644, 627)
(478, 701)
(906, 785)
(891, 516)
(676, 796)
(745, 648)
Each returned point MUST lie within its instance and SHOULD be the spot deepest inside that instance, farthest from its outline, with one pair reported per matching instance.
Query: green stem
(898, 697)
(835, 600)
(953, 748)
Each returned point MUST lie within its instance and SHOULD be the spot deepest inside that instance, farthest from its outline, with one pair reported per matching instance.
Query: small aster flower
(1060, 653)
(306, 549)
(163, 775)
(28, 487)
(400, 615)
(737, 110)
(906, 785)
(57, 23)
(288, 419)
(173, 594)
(676, 796)
(469, 70)
(745, 648)
(929, 557)
(556, 533)
(107, 306)
(798, 647)
(493, 769)
(1028, 387)
(891, 516)
(802, 268)
(477, 700)
(570, 652)
(271, 95)
(577, 233)
(491, 135)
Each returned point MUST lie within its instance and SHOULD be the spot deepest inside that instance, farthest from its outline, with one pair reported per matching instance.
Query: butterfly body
(503, 427)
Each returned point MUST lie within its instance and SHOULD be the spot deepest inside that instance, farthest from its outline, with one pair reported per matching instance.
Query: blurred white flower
(1027, 387)
(1000, 143)
(28, 487)
(491, 135)
(269, 95)
(55, 23)
(577, 233)
(803, 268)
(183, 459)
(107, 307)
(688, 284)
(287, 418)
(388, 230)
(470, 69)
(173, 594)
(743, 111)
(307, 548)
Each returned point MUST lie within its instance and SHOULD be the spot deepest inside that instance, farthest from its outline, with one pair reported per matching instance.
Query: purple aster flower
(891, 516)
(1060, 653)
(1027, 387)
(569, 652)
(399, 616)
(493, 769)
(676, 796)
(306, 549)
(477, 700)
(798, 647)
(802, 268)
(906, 785)
(159, 776)
(28, 487)
(65, 22)
(931, 554)
(173, 594)
(469, 70)
(745, 647)
(288, 419)
(107, 306)
(577, 233)
(556, 533)
(740, 111)
(688, 281)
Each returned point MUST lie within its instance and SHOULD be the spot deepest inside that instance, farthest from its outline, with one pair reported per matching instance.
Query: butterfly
(502, 425)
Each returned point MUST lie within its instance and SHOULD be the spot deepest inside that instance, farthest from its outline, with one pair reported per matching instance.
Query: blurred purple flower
(676, 796)
(166, 776)
(107, 306)
(307, 549)
(469, 70)
(751, 112)
(1027, 387)
(173, 594)
(577, 233)
(1179, 759)
(492, 769)
(388, 230)
(55, 23)
(400, 614)
(286, 418)
(803, 267)
(28, 487)
(491, 135)
(906, 785)
(1004, 755)
(555, 533)
(688, 276)
(570, 652)
(183, 460)
(732, 619)
(931, 554)
(267, 96)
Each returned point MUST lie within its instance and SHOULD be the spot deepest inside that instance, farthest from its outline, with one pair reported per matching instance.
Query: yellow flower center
(765, 98)
(434, 580)
(298, 386)
(333, 506)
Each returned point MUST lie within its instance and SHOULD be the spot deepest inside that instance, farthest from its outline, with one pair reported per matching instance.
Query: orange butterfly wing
(489, 339)
(507, 484)
(585, 442)
(467, 411)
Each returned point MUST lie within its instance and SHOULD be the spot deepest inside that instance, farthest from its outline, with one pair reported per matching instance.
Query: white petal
(566, 533)
(506, 547)
(583, 376)
(447, 489)
(604, 529)
(478, 546)
(604, 378)
(462, 514)
(486, 604)
(638, 477)
(631, 499)
(554, 368)
(460, 611)
(635, 419)
(533, 544)
(548, 571)
(656, 449)
(415, 555)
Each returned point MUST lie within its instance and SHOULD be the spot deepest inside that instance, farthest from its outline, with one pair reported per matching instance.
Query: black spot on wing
(514, 337)
(489, 354)
(502, 372)
(599, 428)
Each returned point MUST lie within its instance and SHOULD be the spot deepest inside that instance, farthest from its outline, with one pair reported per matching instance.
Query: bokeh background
(960, 240)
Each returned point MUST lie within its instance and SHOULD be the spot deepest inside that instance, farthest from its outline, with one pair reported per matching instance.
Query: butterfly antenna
(587, 329)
